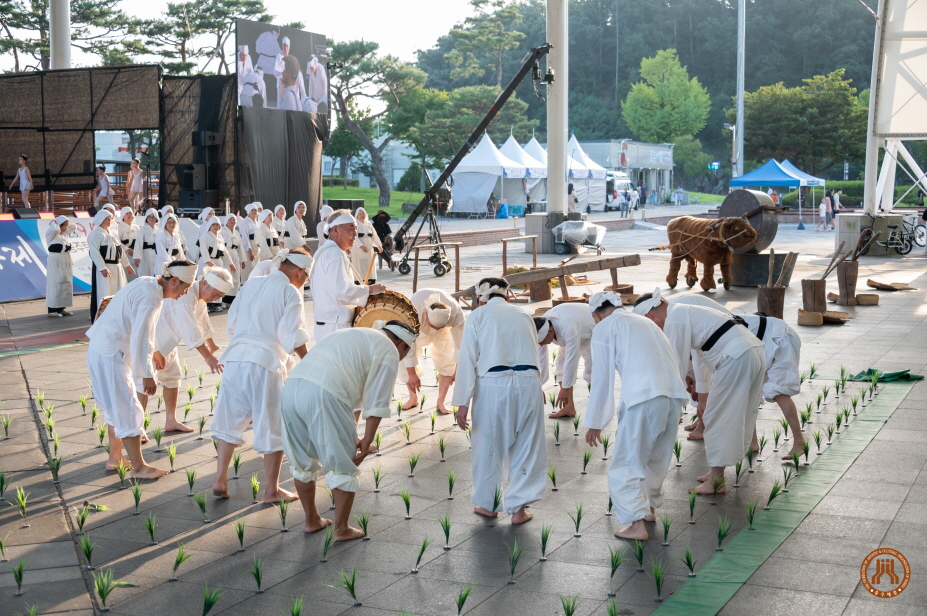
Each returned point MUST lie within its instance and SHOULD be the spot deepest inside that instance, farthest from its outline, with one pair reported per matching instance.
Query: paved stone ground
(878, 502)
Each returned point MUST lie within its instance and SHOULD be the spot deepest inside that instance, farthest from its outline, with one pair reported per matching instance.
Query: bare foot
(485, 512)
(144, 438)
(691, 426)
(707, 488)
(176, 426)
(348, 534)
(755, 445)
(221, 489)
(410, 404)
(653, 514)
(113, 464)
(521, 516)
(704, 478)
(443, 409)
(272, 498)
(563, 413)
(796, 448)
(148, 472)
(314, 526)
(636, 530)
(697, 435)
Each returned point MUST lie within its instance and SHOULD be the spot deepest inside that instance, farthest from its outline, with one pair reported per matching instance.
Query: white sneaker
(55, 315)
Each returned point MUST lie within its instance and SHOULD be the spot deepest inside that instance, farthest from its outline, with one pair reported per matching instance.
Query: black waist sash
(59, 248)
(713, 339)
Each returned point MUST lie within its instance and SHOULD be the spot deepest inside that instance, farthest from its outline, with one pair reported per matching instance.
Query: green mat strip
(723, 575)
(42, 349)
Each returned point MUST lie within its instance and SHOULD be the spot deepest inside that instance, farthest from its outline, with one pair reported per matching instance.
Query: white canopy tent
(536, 178)
(537, 188)
(595, 182)
(485, 171)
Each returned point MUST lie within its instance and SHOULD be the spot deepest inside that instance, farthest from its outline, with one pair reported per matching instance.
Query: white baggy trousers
(508, 439)
(643, 452)
(733, 403)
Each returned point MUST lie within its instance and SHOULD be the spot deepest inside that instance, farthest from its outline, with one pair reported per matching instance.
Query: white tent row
(589, 186)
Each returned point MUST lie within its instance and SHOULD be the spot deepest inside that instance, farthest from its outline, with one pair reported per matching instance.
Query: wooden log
(814, 295)
(771, 301)
(539, 290)
(564, 293)
(614, 274)
(847, 273)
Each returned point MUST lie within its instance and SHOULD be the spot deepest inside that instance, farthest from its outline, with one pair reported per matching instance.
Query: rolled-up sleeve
(291, 330)
(601, 406)
(465, 381)
(378, 388)
(142, 340)
(184, 320)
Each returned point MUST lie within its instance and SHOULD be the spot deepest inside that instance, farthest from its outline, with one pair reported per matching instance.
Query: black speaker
(206, 137)
(194, 201)
(191, 177)
(25, 213)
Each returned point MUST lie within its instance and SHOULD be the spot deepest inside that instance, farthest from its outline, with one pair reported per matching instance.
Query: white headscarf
(357, 216)
(186, 273)
(299, 203)
(264, 215)
(176, 223)
(218, 278)
(52, 230)
(206, 213)
(646, 306)
(225, 222)
(400, 332)
(278, 208)
(249, 208)
(152, 212)
(204, 227)
(124, 211)
(167, 209)
(438, 317)
(258, 205)
(101, 216)
(325, 211)
(60, 220)
(485, 290)
(597, 299)
(545, 329)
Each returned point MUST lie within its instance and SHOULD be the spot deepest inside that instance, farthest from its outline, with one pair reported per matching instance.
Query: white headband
(400, 332)
(438, 317)
(296, 258)
(342, 219)
(186, 273)
(542, 333)
(597, 299)
(646, 306)
(218, 283)
(485, 290)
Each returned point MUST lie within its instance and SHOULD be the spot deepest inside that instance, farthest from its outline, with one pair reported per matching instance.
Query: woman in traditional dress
(279, 220)
(233, 257)
(168, 247)
(321, 229)
(211, 245)
(294, 235)
(127, 231)
(366, 247)
(108, 260)
(266, 237)
(248, 232)
(59, 289)
(144, 250)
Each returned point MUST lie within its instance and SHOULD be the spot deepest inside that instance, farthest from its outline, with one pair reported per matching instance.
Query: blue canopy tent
(807, 180)
(770, 174)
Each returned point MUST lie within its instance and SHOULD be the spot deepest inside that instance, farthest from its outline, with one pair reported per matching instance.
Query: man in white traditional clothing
(652, 397)
(265, 325)
(737, 361)
(569, 326)
(244, 65)
(442, 326)
(334, 293)
(120, 350)
(497, 375)
(187, 320)
(351, 368)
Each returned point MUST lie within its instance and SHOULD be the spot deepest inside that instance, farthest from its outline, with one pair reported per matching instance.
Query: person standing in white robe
(279, 220)
(211, 246)
(497, 376)
(110, 263)
(265, 325)
(334, 293)
(144, 252)
(569, 327)
(295, 232)
(284, 64)
(232, 261)
(187, 320)
(127, 232)
(317, 82)
(243, 65)
(120, 351)
(442, 326)
(366, 246)
(266, 237)
(321, 228)
(350, 368)
(652, 397)
(738, 363)
(168, 244)
(59, 268)
(248, 232)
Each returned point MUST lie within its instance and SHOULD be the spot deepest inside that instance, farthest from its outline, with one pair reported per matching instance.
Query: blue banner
(24, 253)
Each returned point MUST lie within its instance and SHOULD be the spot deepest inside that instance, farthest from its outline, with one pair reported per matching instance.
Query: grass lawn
(705, 198)
(371, 197)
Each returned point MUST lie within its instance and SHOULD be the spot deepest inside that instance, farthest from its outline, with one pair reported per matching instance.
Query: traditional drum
(387, 306)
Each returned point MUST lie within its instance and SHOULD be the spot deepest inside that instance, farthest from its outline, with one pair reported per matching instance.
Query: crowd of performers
(305, 401)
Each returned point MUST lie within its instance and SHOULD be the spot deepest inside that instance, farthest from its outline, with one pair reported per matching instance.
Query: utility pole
(557, 104)
(59, 25)
(739, 122)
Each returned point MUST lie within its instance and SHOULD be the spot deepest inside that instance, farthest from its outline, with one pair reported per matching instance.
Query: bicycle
(901, 241)
(918, 231)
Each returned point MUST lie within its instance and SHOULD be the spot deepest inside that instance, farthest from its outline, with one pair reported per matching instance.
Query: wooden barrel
(847, 273)
(814, 295)
(771, 301)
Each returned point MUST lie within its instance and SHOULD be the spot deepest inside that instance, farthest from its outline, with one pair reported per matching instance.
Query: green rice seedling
(199, 376)
(56, 443)
(257, 572)
(151, 524)
(611, 609)
(201, 423)
(469, 433)
(587, 457)
(413, 462)
(377, 439)
(200, 499)
(122, 469)
(296, 607)
(738, 469)
(348, 583)
(846, 417)
(377, 477)
(54, 465)
(606, 443)
(818, 436)
(555, 430)
(638, 551)
(762, 442)
(172, 454)
(3, 557)
(844, 373)
(191, 391)
(837, 384)
(80, 516)
(212, 403)
(282, 509)
(95, 507)
(577, 519)
(658, 573)
(6, 421)
(693, 498)
(106, 448)
(787, 474)
(191, 479)
(158, 434)
(569, 604)
(104, 585)
(751, 513)
(724, 529)
(552, 398)
(87, 547)
(102, 431)
(514, 555)
(445, 522)
(806, 449)
(83, 404)
(363, 520)
(796, 461)
(327, 543)
(825, 391)
(180, 558)
(750, 454)
(777, 434)
(185, 370)
(838, 421)
(689, 561)
(552, 473)
(49, 425)
(814, 371)
(40, 399)
(22, 505)
(218, 385)
(854, 401)
(239, 527)
(608, 510)
(160, 402)
(255, 487)
(462, 598)
(442, 445)
(546, 530)
(211, 598)
(451, 479)
(331, 496)
(406, 497)
(421, 552)
(18, 572)
(406, 429)
(186, 410)
(802, 378)
(399, 410)
(421, 404)
(236, 464)
(497, 499)
(615, 558)
(717, 483)
(665, 521)
(830, 432)
(433, 416)
(785, 428)
(677, 452)
(576, 419)
(4, 484)
(804, 417)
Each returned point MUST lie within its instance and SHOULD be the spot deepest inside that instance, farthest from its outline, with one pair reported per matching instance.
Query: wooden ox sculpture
(706, 241)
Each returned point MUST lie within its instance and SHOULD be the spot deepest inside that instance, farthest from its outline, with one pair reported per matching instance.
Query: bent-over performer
(569, 326)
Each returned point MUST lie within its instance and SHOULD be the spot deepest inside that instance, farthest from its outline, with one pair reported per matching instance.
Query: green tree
(691, 164)
(365, 76)
(666, 104)
(172, 37)
(403, 120)
(411, 180)
(484, 38)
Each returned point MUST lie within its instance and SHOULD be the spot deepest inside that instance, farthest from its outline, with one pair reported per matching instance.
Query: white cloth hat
(438, 317)
(277, 208)
(60, 220)
(485, 290)
(101, 216)
(206, 213)
(597, 299)
(152, 212)
(243, 49)
(264, 215)
(646, 306)
(124, 211)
